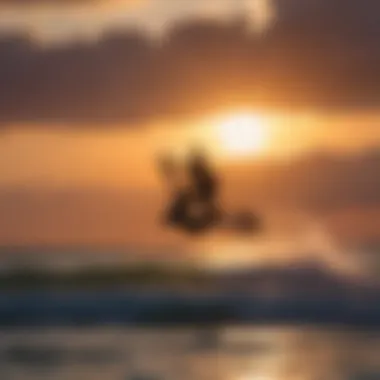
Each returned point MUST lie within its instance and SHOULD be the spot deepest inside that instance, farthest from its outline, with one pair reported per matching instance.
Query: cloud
(328, 49)
(53, 3)
(319, 54)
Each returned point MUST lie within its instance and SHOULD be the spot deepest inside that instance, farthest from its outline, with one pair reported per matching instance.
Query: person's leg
(193, 214)
(205, 216)
(178, 210)
(188, 213)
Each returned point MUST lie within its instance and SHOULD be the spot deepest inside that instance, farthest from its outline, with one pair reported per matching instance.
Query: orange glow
(242, 134)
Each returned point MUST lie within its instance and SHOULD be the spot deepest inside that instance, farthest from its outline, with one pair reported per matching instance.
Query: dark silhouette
(204, 180)
(194, 207)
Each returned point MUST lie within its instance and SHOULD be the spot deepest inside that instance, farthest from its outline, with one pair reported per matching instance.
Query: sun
(242, 134)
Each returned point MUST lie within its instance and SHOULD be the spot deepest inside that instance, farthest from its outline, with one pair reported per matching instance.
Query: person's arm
(171, 172)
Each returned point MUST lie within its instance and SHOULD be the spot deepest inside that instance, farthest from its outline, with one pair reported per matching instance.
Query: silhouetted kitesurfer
(193, 207)
(194, 203)
(202, 177)
(205, 187)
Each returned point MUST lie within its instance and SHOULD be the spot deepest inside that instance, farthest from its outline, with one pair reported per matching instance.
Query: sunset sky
(284, 94)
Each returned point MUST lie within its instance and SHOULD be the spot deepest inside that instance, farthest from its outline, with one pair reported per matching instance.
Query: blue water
(27, 309)
(127, 335)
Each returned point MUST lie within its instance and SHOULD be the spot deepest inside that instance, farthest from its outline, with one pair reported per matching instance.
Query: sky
(92, 91)
(57, 21)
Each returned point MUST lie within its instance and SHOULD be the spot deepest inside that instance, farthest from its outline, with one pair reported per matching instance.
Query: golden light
(262, 13)
(242, 134)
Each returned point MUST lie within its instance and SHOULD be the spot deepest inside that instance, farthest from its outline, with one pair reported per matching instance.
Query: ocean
(223, 352)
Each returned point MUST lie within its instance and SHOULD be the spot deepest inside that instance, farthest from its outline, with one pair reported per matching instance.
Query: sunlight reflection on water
(226, 354)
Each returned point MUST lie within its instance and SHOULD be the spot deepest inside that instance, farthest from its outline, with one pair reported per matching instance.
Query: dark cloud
(319, 53)
(325, 52)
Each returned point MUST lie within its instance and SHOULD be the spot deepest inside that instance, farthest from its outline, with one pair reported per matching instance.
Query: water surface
(229, 353)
